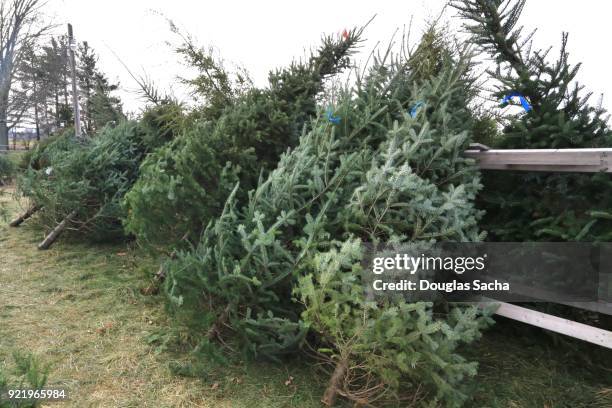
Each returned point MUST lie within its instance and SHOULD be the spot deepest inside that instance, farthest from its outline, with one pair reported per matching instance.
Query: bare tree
(20, 27)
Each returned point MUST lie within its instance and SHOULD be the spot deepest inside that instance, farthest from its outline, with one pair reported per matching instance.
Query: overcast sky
(264, 34)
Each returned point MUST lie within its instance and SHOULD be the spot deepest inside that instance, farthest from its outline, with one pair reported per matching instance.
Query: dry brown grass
(60, 306)
(78, 308)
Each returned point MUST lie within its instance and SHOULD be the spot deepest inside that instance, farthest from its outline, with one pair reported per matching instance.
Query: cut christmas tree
(369, 169)
(79, 185)
(185, 184)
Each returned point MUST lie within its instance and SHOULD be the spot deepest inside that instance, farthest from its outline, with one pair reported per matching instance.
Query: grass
(521, 366)
(16, 155)
(78, 308)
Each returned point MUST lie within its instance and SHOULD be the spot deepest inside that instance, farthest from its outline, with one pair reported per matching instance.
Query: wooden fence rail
(549, 160)
(552, 160)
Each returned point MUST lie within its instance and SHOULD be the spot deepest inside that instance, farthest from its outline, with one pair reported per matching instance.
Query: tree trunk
(57, 117)
(36, 122)
(5, 89)
(88, 104)
(46, 110)
(65, 85)
(215, 329)
(53, 235)
(4, 131)
(29, 213)
(335, 384)
(4, 128)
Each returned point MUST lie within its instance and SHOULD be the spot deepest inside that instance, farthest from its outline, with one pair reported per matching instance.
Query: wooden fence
(550, 160)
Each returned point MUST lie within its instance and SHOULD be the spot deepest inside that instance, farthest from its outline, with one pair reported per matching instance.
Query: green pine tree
(384, 352)
(185, 184)
(7, 170)
(100, 106)
(376, 174)
(525, 206)
(28, 373)
(91, 177)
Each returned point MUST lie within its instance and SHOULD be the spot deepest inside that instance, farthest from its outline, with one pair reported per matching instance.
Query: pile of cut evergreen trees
(260, 201)
(284, 261)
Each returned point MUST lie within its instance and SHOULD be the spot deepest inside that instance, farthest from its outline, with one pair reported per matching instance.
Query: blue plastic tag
(415, 109)
(524, 102)
(331, 118)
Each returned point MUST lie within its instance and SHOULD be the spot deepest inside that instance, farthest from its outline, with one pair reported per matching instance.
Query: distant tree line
(35, 76)
(44, 76)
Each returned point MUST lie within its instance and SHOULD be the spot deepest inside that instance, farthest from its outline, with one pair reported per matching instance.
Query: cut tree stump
(215, 329)
(23, 217)
(158, 279)
(160, 276)
(335, 384)
(53, 235)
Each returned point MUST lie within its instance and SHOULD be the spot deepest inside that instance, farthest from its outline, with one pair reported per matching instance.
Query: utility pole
(75, 93)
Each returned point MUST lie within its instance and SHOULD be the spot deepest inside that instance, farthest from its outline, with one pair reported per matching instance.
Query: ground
(78, 308)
